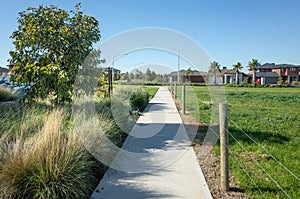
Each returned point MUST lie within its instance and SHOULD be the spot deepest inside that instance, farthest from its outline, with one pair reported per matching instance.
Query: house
(268, 72)
(229, 76)
(114, 72)
(192, 76)
(266, 78)
(225, 76)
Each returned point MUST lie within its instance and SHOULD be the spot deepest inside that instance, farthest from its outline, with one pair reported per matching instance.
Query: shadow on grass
(260, 137)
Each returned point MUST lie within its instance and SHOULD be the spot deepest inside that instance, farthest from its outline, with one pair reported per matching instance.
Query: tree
(50, 45)
(214, 68)
(153, 75)
(252, 66)
(188, 73)
(238, 66)
(148, 75)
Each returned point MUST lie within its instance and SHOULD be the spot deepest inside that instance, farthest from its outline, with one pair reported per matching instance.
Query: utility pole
(178, 64)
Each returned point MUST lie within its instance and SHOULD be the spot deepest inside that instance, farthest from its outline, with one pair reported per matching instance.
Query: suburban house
(229, 76)
(192, 76)
(269, 73)
(224, 76)
(115, 72)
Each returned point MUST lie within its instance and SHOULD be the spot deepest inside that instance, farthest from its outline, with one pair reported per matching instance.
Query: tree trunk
(236, 80)
(215, 79)
(254, 78)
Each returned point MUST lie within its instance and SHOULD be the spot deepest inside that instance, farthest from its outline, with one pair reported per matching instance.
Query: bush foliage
(139, 100)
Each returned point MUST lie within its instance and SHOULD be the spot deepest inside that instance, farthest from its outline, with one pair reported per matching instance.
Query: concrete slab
(156, 160)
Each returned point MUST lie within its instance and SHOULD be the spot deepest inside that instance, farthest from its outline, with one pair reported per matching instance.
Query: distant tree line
(148, 76)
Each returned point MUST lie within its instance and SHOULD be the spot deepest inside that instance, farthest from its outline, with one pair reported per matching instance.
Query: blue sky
(229, 31)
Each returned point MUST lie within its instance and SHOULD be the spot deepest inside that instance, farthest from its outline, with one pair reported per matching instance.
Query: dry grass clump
(51, 164)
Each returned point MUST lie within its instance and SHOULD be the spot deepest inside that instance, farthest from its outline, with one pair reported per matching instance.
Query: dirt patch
(209, 163)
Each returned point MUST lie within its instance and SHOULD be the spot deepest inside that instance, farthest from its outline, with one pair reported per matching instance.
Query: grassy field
(151, 90)
(270, 116)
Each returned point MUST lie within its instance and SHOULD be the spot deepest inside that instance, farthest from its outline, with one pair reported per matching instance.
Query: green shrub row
(261, 85)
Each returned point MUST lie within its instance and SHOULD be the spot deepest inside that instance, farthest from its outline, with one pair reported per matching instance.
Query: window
(282, 70)
(293, 69)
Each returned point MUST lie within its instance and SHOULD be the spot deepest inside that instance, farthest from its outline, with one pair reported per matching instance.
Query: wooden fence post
(183, 99)
(175, 90)
(224, 147)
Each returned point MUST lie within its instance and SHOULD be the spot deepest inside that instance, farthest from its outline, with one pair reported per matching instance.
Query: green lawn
(271, 117)
(151, 90)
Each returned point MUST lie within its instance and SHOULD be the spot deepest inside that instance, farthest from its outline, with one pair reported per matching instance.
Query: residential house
(225, 76)
(269, 73)
(115, 72)
(192, 76)
(229, 76)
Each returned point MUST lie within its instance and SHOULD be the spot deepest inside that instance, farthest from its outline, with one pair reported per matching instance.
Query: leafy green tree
(50, 45)
(214, 68)
(252, 66)
(236, 67)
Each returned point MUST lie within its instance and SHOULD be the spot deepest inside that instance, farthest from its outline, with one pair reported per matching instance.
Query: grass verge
(271, 117)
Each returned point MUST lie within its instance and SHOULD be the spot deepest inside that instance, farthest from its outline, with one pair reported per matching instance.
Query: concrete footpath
(156, 160)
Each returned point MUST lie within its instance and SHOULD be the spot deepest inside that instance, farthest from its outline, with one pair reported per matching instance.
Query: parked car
(20, 89)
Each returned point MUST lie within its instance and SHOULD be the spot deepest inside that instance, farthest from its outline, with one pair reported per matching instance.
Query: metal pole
(112, 74)
(224, 147)
(109, 81)
(178, 63)
(183, 99)
(175, 90)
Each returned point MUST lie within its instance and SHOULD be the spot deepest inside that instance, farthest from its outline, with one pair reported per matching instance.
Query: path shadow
(132, 190)
(166, 135)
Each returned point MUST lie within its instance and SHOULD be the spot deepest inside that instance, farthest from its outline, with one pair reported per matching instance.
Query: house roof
(192, 73)
(277, 66)
(228, 71)
(266, 74)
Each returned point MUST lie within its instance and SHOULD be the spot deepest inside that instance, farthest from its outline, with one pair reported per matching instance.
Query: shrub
(230, 85)
(294, 83)
(7, 94)
(51, 164)
(198, 84)
(139, 100)
(17, 120)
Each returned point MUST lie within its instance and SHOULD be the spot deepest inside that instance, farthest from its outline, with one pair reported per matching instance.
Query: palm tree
(253, 65)
(214, 67)
(188, 73)
(238, 66)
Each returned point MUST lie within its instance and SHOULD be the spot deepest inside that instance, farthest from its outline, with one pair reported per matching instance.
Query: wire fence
(235, 155)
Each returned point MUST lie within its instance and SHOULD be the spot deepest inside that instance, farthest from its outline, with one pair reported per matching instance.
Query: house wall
(210, 80)
(196, 79)
(230, 78)
(269, 80)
